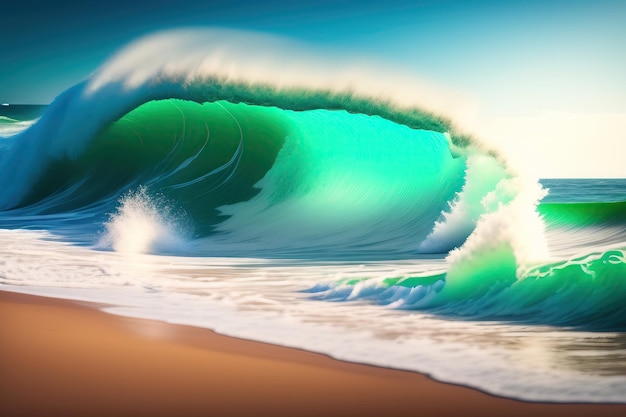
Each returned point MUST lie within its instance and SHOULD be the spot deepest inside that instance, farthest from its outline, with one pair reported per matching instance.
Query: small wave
(586, 292)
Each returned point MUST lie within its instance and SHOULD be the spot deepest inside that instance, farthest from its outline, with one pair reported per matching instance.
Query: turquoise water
(331, 221)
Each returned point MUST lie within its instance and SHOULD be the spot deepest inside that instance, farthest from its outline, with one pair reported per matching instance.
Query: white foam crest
(482, 175)
(256, 58)
(143, 224)
(515, 223)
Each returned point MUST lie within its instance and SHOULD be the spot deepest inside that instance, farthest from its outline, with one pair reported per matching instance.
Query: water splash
(144, 224)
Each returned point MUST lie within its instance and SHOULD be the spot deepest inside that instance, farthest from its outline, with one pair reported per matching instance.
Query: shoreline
(64, 357)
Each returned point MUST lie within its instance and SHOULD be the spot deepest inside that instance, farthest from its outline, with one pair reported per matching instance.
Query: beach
(68, 358)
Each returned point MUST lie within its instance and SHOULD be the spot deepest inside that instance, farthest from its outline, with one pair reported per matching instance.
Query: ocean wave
(225, 150)
(284, 162)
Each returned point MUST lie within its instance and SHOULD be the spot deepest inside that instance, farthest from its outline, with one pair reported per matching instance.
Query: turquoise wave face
(262, 179)
(346, 180)
(204, 156)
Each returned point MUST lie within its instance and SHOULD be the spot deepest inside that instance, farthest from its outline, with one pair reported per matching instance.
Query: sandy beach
(66, 358)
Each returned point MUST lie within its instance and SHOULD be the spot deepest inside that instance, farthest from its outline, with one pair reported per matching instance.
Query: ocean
(315, 218)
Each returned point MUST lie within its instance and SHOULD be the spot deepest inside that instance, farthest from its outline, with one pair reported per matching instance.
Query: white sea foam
(259, 299)
(482, 175)
(511, 219)
(144, 224)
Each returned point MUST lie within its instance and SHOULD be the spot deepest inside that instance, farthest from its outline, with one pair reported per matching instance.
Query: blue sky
(555, 65)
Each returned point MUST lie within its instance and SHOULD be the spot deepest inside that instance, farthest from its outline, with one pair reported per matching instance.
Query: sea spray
(506, 241)
(145, 224)
(482, 176)
(508, 238)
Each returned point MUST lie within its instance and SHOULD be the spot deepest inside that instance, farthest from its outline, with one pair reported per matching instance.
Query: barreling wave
(263, 179)
(179, 147)
(302, 159)
(203, 66)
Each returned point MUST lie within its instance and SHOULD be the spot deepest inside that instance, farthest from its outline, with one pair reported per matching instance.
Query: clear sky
(546, 78)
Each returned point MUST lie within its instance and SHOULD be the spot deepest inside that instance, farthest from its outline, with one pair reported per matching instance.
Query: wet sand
(66, 358)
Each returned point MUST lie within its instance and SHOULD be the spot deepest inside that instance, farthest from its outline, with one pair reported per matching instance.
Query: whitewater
(231, 181)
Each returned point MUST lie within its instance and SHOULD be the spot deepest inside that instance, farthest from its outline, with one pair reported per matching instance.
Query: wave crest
(236, 67)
